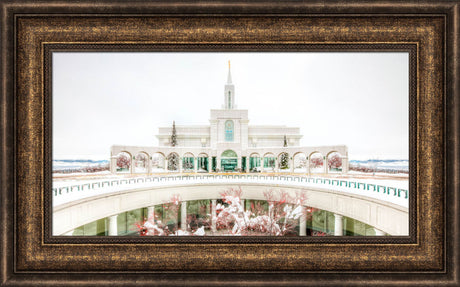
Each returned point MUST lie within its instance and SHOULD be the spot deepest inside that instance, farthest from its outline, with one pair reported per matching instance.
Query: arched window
(229, 153)
(229, 131)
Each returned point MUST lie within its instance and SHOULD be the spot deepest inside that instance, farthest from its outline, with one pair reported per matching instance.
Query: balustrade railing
(394, 191)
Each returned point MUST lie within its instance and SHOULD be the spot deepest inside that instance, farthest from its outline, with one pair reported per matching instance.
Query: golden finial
(229, 64)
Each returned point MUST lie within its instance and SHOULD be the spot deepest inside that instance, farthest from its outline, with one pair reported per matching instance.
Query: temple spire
(229, 77)
(229, 94)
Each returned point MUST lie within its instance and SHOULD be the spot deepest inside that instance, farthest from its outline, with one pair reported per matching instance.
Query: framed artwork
(233, 177)
(267, 142)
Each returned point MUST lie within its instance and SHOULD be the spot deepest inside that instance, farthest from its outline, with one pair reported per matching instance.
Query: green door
(228, 164)
(228, 161)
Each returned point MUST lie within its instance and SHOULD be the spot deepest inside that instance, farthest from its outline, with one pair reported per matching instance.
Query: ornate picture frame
(30, 31)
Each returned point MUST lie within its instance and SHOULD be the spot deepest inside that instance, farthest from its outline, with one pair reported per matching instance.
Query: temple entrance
(229, 161)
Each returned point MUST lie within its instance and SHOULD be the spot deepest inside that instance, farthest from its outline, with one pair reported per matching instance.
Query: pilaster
(338, 227)
(183, 215)
(113, 225)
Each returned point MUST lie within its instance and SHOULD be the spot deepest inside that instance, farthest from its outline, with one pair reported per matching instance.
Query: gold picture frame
(31, 31)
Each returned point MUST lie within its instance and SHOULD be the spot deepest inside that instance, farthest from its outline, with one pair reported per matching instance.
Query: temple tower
(229, 92)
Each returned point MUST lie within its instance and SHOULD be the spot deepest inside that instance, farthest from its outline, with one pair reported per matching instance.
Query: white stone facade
(227, 144)
(384, 216)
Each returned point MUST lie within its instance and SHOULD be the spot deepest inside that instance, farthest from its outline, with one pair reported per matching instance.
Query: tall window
(229, 100)
(229, 131)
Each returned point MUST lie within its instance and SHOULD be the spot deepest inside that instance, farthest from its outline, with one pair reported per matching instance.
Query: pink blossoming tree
(278, 217)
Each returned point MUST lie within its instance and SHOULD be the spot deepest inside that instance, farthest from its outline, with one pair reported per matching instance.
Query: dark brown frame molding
(31, 30)
(49, 49)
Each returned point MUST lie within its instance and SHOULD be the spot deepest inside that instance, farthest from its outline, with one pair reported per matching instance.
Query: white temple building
(230, 144)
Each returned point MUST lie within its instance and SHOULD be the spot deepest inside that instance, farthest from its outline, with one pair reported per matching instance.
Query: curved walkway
(383, 207)
(378, 189)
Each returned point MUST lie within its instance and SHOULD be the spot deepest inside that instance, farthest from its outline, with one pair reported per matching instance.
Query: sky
(354, 99)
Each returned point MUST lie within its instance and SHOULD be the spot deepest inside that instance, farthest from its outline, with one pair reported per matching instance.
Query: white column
(113, 164)
(325, 165)
(209, 164)
(149, 165)
(183, 215)
(195, 164)
(262, 164)
(213, 215)
(113, 225)
(131, 165)
(277, 166)
(344, 164)
(379, 232)
(247, 164)
(218, 163)
(180, 164)
(151, 213)
(165, 165)
(238, 165)
(242, 203)
(291, 162)
(303, 222)
(270, 215)
(308, 166)
(338, 228)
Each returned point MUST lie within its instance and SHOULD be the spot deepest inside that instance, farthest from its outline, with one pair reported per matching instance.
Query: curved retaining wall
(388, 217)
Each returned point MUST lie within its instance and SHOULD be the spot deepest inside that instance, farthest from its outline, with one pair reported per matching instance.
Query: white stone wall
(229, 114)
(187, 136)
(214, 132)
(244, 133)
(218, 119)
(270, 142)
(273, 130)
(385, 216)
(236, 147)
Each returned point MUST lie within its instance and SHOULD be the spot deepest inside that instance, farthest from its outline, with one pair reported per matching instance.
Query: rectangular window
(229, 131)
